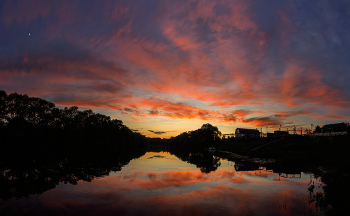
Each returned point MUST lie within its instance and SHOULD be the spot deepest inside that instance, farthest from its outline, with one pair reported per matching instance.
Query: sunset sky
(165, 67)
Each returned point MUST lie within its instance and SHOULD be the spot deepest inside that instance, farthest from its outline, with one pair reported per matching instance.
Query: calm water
(159, 183)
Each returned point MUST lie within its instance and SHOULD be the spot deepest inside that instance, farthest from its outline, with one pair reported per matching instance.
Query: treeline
(30, 121)
(190, 147)
(205, 136)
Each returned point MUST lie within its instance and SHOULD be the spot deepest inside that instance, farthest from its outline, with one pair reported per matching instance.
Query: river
(160, 183)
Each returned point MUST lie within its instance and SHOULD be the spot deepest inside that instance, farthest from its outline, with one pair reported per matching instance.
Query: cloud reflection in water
(186, 191)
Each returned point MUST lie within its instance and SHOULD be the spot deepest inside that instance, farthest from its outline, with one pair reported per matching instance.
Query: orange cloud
(217, 61)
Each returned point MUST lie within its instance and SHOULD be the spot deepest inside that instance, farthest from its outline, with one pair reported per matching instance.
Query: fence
(327, 134)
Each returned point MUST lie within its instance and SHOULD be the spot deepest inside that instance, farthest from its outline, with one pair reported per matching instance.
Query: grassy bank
(321, 151)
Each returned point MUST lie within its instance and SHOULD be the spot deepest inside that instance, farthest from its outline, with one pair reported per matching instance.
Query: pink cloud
(215, 53)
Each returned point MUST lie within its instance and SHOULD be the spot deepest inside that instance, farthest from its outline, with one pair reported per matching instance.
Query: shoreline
(293, 150)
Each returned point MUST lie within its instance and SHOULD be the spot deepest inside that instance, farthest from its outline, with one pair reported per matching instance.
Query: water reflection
(244, 166)
(205, 161)
(30, 173)
(159, 183)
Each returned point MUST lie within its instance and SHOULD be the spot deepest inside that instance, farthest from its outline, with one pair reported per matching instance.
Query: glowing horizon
(166, 67)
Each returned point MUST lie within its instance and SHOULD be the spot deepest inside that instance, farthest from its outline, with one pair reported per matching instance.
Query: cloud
(66, 74)
(270, 121)
(158, 132)
(242, 113)
(153, 112)
(229, 62)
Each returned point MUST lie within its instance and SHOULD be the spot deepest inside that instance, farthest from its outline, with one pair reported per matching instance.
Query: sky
(165, 67)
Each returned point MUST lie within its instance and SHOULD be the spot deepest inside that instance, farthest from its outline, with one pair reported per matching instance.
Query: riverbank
(326, 157)
(298, 150)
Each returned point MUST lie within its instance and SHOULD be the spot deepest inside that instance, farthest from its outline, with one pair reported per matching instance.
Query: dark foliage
(205, 136)
(25, 173)
(34, 122)
(43, 145)
(335, 196)
(205, 161)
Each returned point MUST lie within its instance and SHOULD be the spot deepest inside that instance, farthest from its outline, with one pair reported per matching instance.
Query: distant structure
(280, 133)
(331, 130)
(338, 127)
(247, 133)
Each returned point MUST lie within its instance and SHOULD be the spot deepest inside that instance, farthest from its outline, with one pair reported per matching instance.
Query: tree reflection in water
(334, 197)
(30, 173)
(205, 161)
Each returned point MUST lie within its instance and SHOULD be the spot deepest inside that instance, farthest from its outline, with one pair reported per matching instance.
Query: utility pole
(301, 130)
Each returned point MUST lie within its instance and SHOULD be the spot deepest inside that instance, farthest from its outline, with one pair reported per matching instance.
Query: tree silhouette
(317, 129)
(209, 133)
(46, 145)
(202, 137)
(41, 119)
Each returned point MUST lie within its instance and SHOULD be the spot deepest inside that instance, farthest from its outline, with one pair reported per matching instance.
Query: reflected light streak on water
(161, 184)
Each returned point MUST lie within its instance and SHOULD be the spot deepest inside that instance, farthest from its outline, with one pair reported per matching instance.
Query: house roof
(247, 131)
(328, 126)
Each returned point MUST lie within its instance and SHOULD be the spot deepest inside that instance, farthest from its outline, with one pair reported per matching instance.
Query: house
(331, 130)
(338, 127)
(246, 133)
